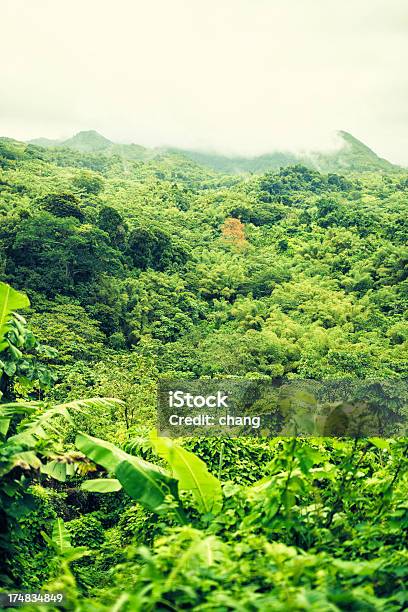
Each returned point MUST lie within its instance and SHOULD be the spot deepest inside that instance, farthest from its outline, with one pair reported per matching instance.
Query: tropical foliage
(119, 269)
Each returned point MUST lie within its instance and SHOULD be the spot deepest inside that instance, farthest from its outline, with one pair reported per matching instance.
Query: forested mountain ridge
(350, 155)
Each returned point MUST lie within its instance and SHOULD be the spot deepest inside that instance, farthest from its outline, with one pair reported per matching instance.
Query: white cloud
(243, 76)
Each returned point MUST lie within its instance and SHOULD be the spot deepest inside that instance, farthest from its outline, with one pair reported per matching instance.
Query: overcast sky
(237, 76)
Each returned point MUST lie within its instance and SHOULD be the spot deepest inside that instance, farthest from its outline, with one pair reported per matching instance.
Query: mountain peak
(357, 156)
(351, 140)
(87, 140)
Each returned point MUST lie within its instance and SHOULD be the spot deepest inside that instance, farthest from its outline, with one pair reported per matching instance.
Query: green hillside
(141, 267)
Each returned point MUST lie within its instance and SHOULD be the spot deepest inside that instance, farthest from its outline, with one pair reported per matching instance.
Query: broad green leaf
(28, 457)
(16, 353)
(70, 469)
(60, 536)
(192, 474)
(101, 485)
(24, 460)
(4, 425)
(101, 452)
(10, 300)
(380, 443)
(10, 410)
(56, 469)
(10, 368)
(143, 481)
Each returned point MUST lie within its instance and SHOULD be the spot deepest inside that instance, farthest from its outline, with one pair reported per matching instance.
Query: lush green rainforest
(140, 269)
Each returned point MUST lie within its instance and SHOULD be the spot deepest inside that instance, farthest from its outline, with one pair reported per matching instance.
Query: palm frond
(38, 424)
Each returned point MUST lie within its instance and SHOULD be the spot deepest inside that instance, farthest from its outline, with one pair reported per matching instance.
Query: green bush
(243, 460)
(86, 531)
(29, 561)
(138, 525)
